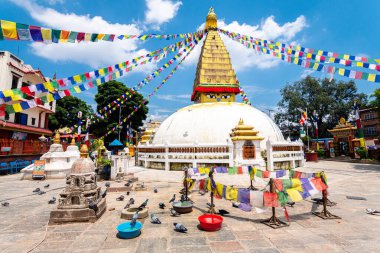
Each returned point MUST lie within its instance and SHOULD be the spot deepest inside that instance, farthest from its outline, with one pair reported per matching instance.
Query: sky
(339, 26)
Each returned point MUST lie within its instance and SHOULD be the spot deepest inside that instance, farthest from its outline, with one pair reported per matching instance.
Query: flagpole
(307, 132)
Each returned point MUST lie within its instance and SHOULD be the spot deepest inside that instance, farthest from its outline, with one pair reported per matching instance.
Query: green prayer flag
(9, 109)
(287, 183)
(94, 37)
(72, 37)
(56, 35)
(365, 76)
(282, 198)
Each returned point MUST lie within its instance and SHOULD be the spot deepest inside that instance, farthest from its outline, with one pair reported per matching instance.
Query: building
(371, 125)
(216, 130)
(20, 133)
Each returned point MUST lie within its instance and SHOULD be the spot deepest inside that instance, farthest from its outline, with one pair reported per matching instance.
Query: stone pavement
(23, 223)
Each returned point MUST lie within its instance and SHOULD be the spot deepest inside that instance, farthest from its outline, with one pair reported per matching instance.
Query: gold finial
(84, 151)
(73, 140)
(241, 122)
(211, 20)
(57, 137)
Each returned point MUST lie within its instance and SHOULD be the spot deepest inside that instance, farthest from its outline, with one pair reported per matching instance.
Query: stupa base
(60, 216)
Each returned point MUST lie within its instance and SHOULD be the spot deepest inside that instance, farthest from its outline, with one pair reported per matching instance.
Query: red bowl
(210, 222)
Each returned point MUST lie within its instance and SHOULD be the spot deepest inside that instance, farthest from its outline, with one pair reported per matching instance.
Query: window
(15, 79)
(249, 150)
(21, 118)
(6, 115)
(370, 131)
(33, 121)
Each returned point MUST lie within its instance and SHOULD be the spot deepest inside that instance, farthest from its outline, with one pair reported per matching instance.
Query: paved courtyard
(23, 224)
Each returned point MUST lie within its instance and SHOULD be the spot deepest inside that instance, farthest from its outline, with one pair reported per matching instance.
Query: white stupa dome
(211, 123)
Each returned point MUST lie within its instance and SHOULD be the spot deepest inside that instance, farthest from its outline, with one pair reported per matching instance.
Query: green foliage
(375, 102)
(362, 152)
(66, 112)
(330, 100)
(321, 153)
(107, 93)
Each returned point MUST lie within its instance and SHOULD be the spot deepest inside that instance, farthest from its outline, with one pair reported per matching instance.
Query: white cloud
(160, 11)
(93, 54)
(177, 98)
(243, 58)
(307, 72)
(53, 2)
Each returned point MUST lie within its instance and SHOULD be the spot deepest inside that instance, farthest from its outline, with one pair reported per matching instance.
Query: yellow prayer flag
(9, 29)
(296, 184)
(117, 74)
(100, 36)
(101, 72)
(359, 64)
(219, 189)
(77, 89)
(332, 59)
(46, 34)
(346, 56)
(315, 66)
(8, 93)
(17, 107)
(341, 71)
(87, 37)
(371, 77)
(231, 193)
(296, 60)
(50, 97)
(294, 195)
(77, 78)
(320, 52)
(48, 86)
(98, 82)
(308, 56)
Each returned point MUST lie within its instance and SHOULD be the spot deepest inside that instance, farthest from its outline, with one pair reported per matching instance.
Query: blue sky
(339, 26)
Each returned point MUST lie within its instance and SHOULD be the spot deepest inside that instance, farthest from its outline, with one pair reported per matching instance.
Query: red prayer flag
(319, 185)
(270, 199)
(266, 174)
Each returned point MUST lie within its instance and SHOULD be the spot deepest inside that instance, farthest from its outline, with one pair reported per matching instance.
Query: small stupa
(81, 200)
(57, 162)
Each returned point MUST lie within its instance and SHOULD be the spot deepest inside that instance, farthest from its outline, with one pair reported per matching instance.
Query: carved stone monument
(81, 200)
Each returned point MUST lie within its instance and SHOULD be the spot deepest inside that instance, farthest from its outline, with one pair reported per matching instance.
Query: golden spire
(211, 20)
(57, 137)
(215, 80)
(84, 151)
(244, 133)
(73, 140)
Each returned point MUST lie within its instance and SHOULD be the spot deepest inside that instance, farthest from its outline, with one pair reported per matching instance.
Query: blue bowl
(126, 231)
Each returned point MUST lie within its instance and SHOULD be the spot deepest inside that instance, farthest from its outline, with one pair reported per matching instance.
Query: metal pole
(307, 132)
(119, 121)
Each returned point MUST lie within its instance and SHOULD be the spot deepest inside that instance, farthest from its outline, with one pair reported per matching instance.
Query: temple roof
(214, 69)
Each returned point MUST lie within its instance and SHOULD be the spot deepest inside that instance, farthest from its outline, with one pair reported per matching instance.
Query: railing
(220, 154)
(23, 147)
(285, 153)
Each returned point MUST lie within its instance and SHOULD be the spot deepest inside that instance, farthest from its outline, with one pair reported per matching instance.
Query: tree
(107, 93)
(66, 112)
(331, 100)
(375, 102)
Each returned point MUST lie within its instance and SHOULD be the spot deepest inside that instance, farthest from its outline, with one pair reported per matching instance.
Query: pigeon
(183, 198)
(142, 185)
(47, 186)
(132, 200)
(291, 203)
(372, 211)
(134, 218)
(120, 198)
(234, 204)
(37, 190)
(52, 200)
(5, 204)
(174, 212)
(154, 219)
(107, 184)
(127, 193)
(104, 194)
(209, 205)
(93, 206)
(172, 199)
(161, 205)
(143, 205)
(155, 190)
(130, 181)
(127, 184)
(223, 212)
(201, 192)
(179, 228)
(41, 192)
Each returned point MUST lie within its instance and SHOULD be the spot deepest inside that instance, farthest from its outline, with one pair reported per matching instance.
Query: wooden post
(274, 222)
(211, 209)
(325, 214)
(186, 186)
